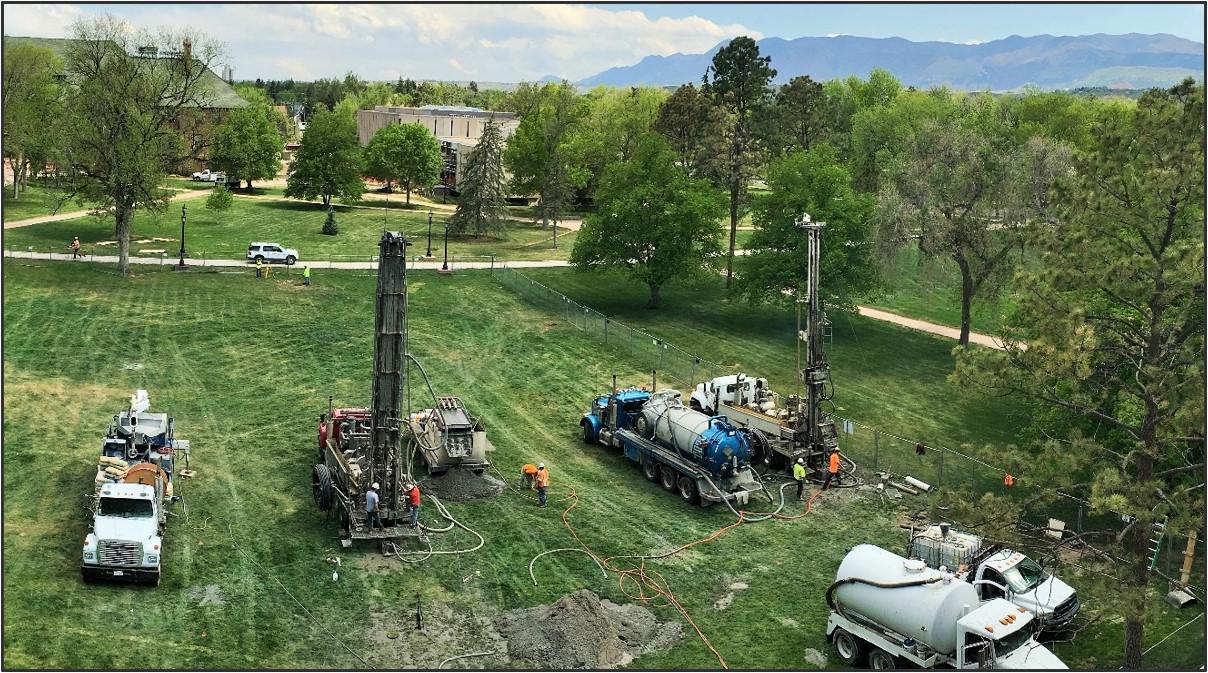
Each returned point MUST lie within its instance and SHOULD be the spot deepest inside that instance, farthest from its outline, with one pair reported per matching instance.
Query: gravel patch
(461, 485)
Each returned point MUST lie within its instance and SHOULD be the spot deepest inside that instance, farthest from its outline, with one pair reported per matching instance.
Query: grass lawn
(294, 224)
(246, 383)
(36, 200)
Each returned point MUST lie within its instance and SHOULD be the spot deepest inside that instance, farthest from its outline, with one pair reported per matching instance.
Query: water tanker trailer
(703, 458)
(891, 612)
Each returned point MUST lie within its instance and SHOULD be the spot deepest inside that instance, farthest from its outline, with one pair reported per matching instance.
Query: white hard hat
(374, 485)
(801, 461)
(540, 466)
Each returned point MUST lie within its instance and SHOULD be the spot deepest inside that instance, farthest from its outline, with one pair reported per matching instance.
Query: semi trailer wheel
(688, 491)
(320, 484)
(651, 468)
(669, 478)
(880, 660)
(848, 647)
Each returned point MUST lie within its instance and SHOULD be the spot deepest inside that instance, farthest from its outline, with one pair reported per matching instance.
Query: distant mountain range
(1049, 62)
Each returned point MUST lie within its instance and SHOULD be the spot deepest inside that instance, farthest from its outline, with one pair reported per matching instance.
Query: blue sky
(508, 43)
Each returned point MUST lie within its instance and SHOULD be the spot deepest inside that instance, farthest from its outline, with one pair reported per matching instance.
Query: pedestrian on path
(542, 481)
(306, 275)
(799, 475)
(75, 247)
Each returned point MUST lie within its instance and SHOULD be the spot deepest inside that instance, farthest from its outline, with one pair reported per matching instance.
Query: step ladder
(1158, 531)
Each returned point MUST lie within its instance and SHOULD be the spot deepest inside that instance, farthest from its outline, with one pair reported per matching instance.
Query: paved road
(183, 195)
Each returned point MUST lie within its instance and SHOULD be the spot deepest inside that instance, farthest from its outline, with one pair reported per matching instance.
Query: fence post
(942, 452)
(876, 449)
(692, 376)
(1079, 518)
(606, 321)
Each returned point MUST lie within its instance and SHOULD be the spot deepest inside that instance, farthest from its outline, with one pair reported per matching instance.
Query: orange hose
(641, 579)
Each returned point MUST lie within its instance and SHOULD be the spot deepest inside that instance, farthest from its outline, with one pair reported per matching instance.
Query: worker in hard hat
(306, 275)
(542, 481)
(528, 476)
(259, 268)
(832, 469)
(412, 491)
(799, 475)
(371, 508)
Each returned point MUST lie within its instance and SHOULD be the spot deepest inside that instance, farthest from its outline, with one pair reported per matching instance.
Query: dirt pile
(581, 631)
(461, 485)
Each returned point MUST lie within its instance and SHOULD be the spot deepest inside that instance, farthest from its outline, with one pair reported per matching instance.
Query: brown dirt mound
(461, 485)
(581, 631)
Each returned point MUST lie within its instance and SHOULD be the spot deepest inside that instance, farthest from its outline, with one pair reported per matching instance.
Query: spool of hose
(145, 473)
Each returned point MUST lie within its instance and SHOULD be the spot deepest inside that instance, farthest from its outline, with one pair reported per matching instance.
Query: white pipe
(921, 485)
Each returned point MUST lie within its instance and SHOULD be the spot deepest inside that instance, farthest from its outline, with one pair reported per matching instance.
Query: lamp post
(444, 268)
(181, 264)
(429, 254)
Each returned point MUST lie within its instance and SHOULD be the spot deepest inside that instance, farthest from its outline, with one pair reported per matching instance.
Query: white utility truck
(891, 612)
(134, 485)
(996, 572)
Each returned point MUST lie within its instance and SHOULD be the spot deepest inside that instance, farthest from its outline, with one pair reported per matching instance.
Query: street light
(429, 255)
(181, 264)
(444, 268)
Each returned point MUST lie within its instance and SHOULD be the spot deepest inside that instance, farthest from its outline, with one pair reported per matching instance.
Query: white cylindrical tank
(674, 424)
(927, 613)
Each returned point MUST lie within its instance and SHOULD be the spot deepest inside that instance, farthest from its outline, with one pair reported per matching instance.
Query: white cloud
(487, 42)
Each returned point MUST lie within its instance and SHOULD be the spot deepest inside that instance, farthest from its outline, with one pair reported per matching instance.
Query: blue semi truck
(703, 458)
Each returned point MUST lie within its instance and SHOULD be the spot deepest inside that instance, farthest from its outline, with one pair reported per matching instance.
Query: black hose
(830, 591)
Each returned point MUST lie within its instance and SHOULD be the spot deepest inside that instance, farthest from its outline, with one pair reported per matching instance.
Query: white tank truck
(996, 572)
(891, 612)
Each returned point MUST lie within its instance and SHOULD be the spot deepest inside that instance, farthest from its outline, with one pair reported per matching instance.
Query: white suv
(271, 252)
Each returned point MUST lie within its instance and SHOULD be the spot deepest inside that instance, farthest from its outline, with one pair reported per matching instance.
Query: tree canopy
(248, 145)
(652, 219)
(328, 165)
(404, 153)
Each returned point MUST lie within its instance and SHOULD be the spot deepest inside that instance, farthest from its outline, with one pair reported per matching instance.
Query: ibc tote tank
(927, 613)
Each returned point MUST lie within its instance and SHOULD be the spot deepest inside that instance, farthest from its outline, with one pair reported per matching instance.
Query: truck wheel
(688, 491)
(880, 660)
(320, 484)
(88, 576)
(651, 468)
(586, 432)
(848, 647)
(155, 580)
(669, 478)
(644, 428)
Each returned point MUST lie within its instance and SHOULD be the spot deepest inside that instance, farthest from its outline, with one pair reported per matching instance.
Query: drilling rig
(359, 447)
(797, 427)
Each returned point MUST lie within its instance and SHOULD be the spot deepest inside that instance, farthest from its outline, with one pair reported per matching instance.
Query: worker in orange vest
(832, 469)
(542, 480)
(528, 476)
(413, 503)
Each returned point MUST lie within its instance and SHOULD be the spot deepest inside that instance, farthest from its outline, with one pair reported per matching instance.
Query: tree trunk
(17, 175)
(733, 230)
(327, 200)
(1138, 546)
(123, 214)
(656, 297)
(967, 290)
(408, 193)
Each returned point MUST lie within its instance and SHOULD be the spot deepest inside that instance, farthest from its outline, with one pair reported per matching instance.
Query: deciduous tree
(652, 220)
(738, 82)
(405, 153)
(32, 99)
(122, 131)
(329, 162)
(247, 145)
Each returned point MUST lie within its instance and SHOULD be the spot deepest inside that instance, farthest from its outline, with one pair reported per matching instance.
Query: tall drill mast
(819, 427)
(389, 369)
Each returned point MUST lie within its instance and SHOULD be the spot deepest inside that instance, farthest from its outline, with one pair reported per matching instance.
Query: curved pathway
(181, 195)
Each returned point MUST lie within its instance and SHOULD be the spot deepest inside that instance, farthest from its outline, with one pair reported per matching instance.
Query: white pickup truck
(208, 176)
(996, 572)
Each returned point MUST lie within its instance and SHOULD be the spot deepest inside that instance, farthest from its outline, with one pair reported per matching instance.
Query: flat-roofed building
(457, 128)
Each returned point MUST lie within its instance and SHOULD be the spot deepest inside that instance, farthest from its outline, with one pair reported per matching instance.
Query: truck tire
(849, 648)
(688, 490)
(88, 576)
(670, 478)
(320, 484)
(154, 581)
(651, 468)
(586, 432)
(880, 660)
(644, 428)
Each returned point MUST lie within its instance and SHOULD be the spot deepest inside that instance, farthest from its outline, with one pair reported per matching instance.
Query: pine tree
(329, 225)
(480, 206)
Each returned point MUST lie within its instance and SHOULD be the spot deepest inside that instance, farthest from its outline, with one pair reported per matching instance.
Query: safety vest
(529, 469)
(306, 272)
(257, 264)
(413, 497)
(834, 463)
(798, 472)
(543, 478)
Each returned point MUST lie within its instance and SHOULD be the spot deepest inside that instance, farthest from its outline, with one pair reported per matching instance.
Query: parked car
(271, 252)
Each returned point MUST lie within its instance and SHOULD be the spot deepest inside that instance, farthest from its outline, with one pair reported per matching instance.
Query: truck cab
(604, 419)
(999, 634)
(1019, 579)
(737, 390)
(126, 537)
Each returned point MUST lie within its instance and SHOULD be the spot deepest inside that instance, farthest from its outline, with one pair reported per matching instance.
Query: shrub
(329, 225)
(219, 199)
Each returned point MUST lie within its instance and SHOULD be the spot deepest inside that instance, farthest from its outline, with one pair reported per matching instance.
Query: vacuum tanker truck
(889, 612)
(704, 458)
